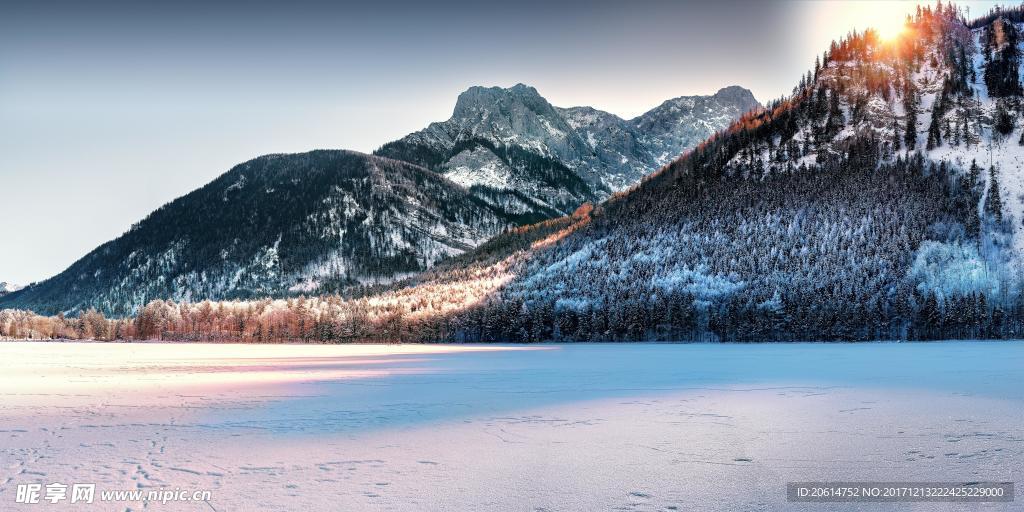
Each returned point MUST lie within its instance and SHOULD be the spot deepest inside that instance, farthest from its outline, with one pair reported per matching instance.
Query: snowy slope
(966, 120)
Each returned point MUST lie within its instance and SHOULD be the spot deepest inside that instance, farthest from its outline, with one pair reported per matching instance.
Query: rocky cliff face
(681, 123)
(513, 144)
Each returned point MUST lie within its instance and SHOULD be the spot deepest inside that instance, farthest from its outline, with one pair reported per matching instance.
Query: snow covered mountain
(884, 199)
(6, 287)
(512, 147)
(276, 225)
(681, 123)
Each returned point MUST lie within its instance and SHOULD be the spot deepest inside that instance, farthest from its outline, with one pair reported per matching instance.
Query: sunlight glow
(890, 29)
(824, 22)
(161, 371)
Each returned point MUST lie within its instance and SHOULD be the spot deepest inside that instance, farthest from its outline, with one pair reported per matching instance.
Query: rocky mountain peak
(477, 99)
(682, 122)
(737, 95)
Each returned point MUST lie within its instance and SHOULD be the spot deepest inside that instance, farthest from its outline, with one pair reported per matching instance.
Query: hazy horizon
(109, 110)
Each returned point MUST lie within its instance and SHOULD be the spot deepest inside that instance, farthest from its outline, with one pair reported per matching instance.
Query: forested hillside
(273, 226)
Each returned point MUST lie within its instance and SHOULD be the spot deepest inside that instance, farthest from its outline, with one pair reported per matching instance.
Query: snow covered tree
(910, 107)
(993, 203)
(1002, 59)
(1003, 119)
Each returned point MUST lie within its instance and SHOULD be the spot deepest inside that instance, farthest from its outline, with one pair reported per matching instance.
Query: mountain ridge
(278, 234)
(608, 153)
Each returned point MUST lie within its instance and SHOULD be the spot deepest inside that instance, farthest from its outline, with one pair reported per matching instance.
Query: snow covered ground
(552, 427)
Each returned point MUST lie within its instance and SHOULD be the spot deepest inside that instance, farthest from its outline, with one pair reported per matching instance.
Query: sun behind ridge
(890, 30)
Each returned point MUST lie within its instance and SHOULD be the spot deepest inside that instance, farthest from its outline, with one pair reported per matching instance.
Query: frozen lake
(488, 428)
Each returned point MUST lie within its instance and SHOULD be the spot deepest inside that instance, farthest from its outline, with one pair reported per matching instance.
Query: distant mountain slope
(681, 123)
(512, 145)
(274, 225)
(6, 287)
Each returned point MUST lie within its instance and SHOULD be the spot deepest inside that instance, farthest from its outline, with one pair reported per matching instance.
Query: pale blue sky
(110, 109)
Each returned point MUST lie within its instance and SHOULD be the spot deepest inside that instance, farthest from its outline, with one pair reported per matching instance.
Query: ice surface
(549, 427)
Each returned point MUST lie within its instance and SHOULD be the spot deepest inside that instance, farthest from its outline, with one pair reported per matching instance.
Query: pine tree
(897, 141)
(932, 316)
(1003, 121)
(993, 203)
(910, 105)
(973, 174)
(1002, 59)
(934, 134)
